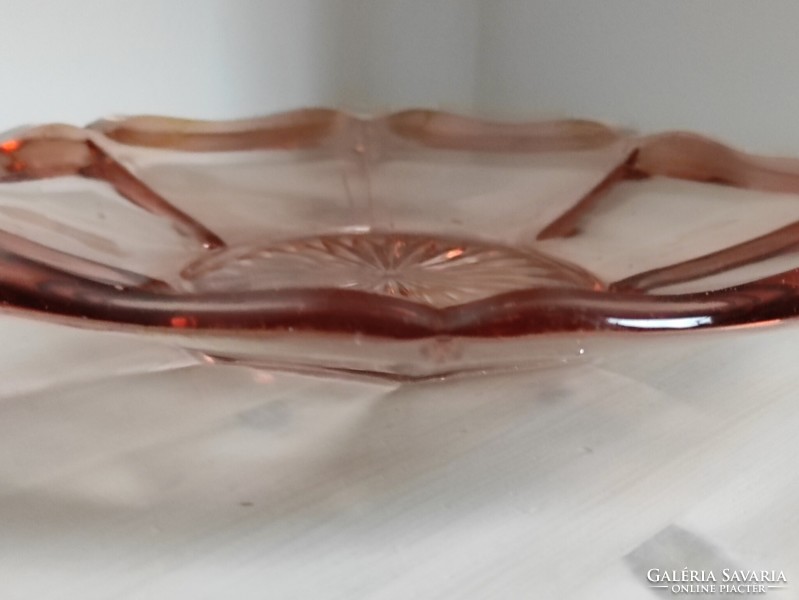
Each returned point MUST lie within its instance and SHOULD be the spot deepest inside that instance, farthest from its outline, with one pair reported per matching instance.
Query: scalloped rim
(623, 307)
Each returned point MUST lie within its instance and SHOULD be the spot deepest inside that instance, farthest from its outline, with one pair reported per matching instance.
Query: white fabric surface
(129, 472)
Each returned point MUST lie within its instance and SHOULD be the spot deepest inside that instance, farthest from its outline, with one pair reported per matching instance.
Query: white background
(231, 483)
(724, 67)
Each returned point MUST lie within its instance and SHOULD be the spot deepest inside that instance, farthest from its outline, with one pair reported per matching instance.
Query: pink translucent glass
(414, 244)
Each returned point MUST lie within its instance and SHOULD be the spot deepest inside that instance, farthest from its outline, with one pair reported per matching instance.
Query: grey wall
(725, 67)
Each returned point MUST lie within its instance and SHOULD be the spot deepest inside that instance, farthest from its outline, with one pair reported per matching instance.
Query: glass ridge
(418, 225)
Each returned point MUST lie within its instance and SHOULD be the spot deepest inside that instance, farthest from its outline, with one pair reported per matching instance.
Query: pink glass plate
(413, 244)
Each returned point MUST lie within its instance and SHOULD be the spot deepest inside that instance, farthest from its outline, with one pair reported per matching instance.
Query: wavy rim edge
(676, 155)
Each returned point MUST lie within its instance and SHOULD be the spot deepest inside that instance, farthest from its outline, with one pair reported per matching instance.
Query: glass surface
(410, 245)
(131, 468)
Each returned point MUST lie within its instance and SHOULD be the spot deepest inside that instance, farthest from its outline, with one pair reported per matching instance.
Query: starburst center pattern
(435, 271)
